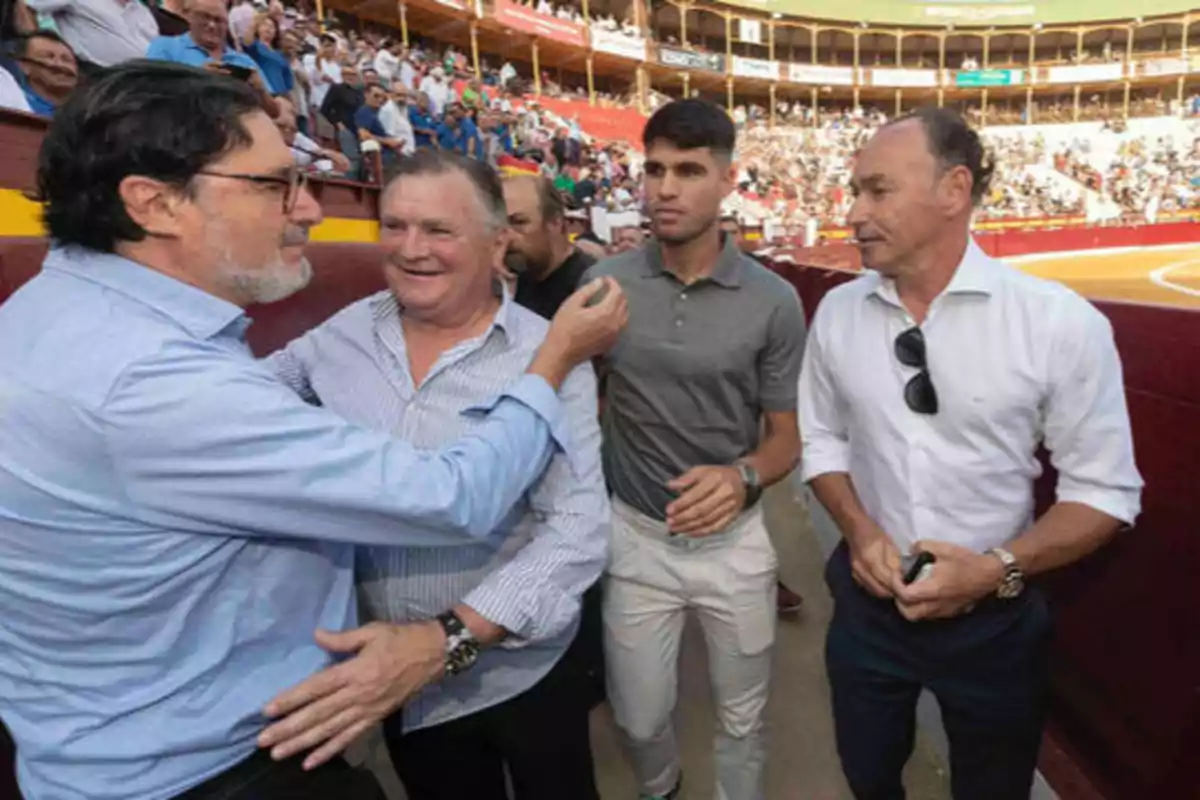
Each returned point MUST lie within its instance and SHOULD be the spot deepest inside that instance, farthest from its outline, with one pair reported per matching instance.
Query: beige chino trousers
(729, 581)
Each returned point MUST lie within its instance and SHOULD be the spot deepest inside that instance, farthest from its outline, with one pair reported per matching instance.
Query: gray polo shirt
(695, 368)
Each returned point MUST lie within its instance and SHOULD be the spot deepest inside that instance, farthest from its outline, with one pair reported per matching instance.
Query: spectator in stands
(262, 43)
(880, 364)
(101, 32)
(324, 71)
(394, 118)
(437, 89)
(341, 104)
(457, 132)
(424, 121)
(522, 708)
(205, 45)
(688, 448)
(368, 127)
(290, 46)
(387, 61)
(242, 14)
(305, 151)
(173, 204)
(48, 71)
(12, 96)
(626, 238)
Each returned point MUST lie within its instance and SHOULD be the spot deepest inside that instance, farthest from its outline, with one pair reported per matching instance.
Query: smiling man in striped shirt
(410, 361)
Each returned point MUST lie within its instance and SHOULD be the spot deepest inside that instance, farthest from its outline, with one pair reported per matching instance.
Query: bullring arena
(1092, 111)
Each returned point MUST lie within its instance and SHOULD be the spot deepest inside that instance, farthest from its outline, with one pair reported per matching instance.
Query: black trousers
(541, 737)
(261, 778)
(587, 649)
(987, 670)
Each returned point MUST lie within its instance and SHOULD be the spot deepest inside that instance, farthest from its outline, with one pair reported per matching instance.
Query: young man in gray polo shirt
(711, 352)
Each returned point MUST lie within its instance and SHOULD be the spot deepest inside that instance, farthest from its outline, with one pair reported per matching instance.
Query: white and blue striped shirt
(530, 573)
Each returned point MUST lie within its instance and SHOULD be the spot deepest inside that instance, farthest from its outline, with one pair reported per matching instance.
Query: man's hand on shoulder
(586, 326)
(331, 709)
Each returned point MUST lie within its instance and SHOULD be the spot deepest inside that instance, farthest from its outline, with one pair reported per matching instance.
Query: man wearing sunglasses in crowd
(927, 387)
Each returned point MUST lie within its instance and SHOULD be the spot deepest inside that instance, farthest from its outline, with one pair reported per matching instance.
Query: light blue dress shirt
(175, 523)
(530, 573)
(182, 50)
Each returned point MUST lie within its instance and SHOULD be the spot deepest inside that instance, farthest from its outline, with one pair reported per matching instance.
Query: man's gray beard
(277, 283)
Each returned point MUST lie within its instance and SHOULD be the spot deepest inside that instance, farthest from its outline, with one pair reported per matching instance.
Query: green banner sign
(990, 77)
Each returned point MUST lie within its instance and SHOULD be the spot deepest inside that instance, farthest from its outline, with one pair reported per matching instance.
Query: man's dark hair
(955, 143)
(691, 124)
(21, 45)
(427, 161)
(153, 118)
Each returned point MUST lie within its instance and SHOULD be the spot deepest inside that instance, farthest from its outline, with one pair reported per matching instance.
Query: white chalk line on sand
(1159, 277)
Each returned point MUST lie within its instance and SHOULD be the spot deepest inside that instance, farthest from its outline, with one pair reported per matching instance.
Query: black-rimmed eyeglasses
(294, 182)
(919, 394)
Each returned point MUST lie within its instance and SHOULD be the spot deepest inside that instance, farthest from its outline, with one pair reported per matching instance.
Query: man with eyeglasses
(927, 387)
(179, 527)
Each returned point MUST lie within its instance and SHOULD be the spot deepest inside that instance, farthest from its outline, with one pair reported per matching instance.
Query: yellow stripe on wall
(20, 216)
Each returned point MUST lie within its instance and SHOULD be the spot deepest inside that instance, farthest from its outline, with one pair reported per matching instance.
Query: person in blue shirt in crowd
(180, 527)
(206, 45)
(46, 71)
(452, 134)
(262, 45)
(368, 126)
(424, 125)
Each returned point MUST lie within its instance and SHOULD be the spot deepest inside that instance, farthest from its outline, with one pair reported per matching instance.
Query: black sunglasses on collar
(919, 394)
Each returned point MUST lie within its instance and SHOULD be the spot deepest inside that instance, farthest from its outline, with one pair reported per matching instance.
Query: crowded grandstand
(352, 94)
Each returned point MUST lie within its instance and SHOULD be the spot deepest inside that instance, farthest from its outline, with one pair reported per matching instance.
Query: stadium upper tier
(969, 12)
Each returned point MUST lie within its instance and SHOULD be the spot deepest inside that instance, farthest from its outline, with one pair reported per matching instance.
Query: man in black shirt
(549, 266)
(548, 269)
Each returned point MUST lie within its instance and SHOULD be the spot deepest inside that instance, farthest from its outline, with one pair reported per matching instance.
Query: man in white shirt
(927, 386)
(393, 116)
(434, 84)
(241, 18)
(101, 32)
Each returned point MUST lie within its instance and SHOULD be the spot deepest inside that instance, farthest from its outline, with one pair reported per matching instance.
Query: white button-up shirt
(1016, 361)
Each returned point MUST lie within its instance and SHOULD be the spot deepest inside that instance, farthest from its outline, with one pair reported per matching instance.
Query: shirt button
(678, 323)
(683, 295)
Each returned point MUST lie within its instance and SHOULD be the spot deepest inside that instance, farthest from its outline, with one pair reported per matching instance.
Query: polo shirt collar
(727, 272)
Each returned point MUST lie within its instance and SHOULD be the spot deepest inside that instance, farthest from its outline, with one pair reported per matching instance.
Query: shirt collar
(975, 274)
(727, 272)
(201, 314)
(188, 41)
(385, 305)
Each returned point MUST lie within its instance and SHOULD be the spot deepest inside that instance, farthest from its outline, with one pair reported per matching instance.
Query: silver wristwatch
(751, 481)
(462, 649)
(1014, 579)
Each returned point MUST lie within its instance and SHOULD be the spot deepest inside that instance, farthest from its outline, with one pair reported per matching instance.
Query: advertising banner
(1084, 73)
(526, 20)
(689, 59)
(989, 77)
(750, 30)
(903, 78)
(1163, 66)
(618, 44)
(825, 76)
(755, 68)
